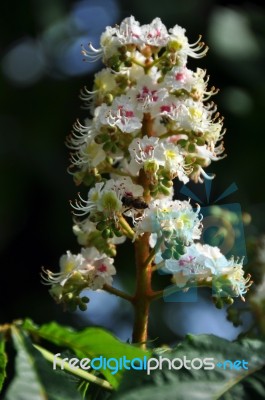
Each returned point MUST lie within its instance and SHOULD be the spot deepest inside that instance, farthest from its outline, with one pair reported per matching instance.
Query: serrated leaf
(35, 379)
(90, 342)
(3, 361)
(200, 384)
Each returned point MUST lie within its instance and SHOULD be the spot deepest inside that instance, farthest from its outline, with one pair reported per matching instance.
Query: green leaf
(3, 361)
(35, 379)
(201, 384)
(90, 342)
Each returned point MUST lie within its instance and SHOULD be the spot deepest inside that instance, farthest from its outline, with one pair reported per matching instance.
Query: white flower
(173, 218)
(141, 151)
(179, 78)
(109, 43)
(155, 34)
(209, 154)
(89, 155)
(169, 156)
(235, 275)
(107, 198)
(103, 268)
(89, 266)
(129, 31)
(176, 111)
(120, 114)
(81, 134)
(190, 264)
(203, 262)
(147, 94)
(104, 84)
(179, 41)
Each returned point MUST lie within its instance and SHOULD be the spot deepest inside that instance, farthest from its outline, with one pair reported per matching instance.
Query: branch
(153, 252)
(117, 292)
(174, 289)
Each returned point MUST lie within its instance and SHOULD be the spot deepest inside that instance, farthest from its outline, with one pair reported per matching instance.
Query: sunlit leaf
(3, 361)
(34, 377)
(90, 342)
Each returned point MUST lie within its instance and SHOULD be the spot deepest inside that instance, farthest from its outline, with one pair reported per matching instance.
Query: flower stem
(117, 292)
(143, 293)
(78, 372)
(126, 228)
(174, 289)
(143, 258)
(153, 252)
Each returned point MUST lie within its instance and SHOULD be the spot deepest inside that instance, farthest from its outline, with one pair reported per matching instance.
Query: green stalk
(78, 372)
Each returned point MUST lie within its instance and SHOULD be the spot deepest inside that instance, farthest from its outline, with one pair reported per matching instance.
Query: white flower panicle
(150, 122)
(147, 79)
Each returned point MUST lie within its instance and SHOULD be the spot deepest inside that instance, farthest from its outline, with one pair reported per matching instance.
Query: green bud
(218, 302)
(106, 233)
(114, 148)
(154, 192)
(228, 300)
(182, 143)
(167, 234)
(117, 232)
(107, 146)
(164, 190)
(85, 299)
(128, 63)
(101, 225)
(180, 249)
(122, 49)
(191, 148)
(167, 254)
(114, 62)
(82, 306)
(167, 183)
(200, 141)
(175, 254)
(108, 98)
(68, 297)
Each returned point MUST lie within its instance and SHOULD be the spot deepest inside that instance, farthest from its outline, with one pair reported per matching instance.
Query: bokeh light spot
(24, 63)
(231, 34)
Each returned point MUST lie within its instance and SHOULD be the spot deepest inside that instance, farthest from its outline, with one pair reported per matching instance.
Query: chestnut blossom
(179, 41)
(147, 94)
(89, 267)
(205, 262)
(150, 123)
(171, 219)
(170, 157)
(180, 77)
(107, 198)
(142, 152)
(120, 114)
